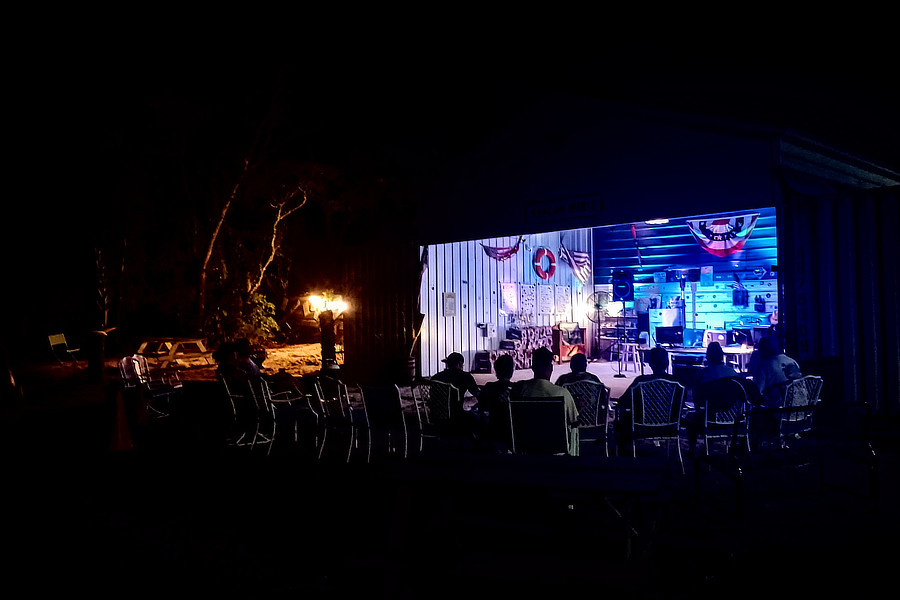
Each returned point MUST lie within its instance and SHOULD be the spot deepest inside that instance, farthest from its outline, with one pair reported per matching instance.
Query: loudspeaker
(623, 286)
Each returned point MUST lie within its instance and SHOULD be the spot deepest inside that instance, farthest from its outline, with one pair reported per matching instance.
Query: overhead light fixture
(657, 221)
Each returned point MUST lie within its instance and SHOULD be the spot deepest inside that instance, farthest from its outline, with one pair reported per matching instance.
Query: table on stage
(737, 356)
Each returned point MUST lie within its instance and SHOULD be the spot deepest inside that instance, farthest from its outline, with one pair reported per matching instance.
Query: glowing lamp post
(326, 309)
(320, 304)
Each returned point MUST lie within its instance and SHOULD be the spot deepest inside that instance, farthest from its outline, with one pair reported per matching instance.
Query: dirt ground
(296, 359)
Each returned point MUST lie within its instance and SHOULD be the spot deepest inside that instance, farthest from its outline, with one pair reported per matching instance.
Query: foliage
(259, 319)
(235, 318)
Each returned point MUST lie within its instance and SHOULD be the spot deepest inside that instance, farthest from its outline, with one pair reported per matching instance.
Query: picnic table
(175, 350)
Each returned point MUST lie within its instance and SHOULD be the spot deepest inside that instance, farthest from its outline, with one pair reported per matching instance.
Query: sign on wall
(563, 299)
(509, 298)
(545, 302)
(449, 304)
(527, 295)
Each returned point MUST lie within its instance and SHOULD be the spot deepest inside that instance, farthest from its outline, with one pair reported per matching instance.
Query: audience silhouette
(541, 387)
(578, 365)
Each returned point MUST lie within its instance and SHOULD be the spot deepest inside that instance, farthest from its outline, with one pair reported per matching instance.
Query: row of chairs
(438, 409)
(656, 411)
(262, 407)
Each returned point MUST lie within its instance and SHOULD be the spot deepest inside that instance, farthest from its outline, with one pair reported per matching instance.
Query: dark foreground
(181, 512)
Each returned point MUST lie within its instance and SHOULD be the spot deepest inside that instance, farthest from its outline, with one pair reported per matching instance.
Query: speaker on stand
(623, 291)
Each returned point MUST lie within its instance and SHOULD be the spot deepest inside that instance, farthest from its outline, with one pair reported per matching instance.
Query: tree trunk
(201, 284)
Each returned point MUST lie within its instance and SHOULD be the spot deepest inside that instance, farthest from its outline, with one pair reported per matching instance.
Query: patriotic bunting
(723, 237)
(579, 262)
(501, 253)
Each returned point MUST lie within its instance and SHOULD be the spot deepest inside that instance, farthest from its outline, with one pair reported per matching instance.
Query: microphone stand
(621, 334)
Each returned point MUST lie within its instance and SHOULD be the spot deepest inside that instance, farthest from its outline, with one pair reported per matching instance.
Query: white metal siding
(465, 269)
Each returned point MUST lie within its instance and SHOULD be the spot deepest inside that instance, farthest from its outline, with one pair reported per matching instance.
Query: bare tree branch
(281, 213)
(201, 289)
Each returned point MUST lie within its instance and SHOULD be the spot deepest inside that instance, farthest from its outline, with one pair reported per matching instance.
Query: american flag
(580, 262)
(723, 237)
(501, 253)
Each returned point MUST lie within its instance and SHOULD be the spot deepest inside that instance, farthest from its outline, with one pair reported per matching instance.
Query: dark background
(99, 116)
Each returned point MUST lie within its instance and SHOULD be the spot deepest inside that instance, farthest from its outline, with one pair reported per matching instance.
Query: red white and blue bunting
(723, 237)
(502, 253)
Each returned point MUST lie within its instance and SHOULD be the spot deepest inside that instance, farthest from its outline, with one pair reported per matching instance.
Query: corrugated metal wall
(381, 289)
(842, 290)
(479, 323)
(671, 246)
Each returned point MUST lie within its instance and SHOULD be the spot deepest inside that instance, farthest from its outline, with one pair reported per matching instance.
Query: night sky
(437, 94)
(89, 112)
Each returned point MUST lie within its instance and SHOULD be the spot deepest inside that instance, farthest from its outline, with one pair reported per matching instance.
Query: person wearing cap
(454, 374)
(541, 387)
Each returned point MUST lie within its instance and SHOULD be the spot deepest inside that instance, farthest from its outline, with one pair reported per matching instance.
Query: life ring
(539, 255)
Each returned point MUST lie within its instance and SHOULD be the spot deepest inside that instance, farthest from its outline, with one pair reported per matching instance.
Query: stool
(629, 355)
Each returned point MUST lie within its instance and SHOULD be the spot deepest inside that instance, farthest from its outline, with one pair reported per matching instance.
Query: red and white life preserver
(539, 255)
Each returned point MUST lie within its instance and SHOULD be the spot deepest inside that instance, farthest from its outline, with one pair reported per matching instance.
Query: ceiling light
(657, 221)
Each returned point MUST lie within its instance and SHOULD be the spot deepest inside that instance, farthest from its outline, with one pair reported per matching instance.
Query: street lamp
(326, 309)
(322, 303)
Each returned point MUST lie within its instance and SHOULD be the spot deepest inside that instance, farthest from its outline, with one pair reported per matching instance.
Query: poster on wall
(527, 299)
(449, 304)
(509, 298)
(563, 299)
(545, 300)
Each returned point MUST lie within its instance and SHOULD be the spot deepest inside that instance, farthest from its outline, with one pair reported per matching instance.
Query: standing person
(579, 372)
(541, 387)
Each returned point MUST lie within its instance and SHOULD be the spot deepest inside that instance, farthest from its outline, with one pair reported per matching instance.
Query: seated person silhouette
(658, 359)
(541, 387)
(715, 369)
(493, 407)
(454, 374)
(465, 383)
(579, 372)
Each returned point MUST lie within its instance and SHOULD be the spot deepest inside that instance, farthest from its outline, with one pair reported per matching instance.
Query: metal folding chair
(592, 400)
(656, 414)
(60, 347)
